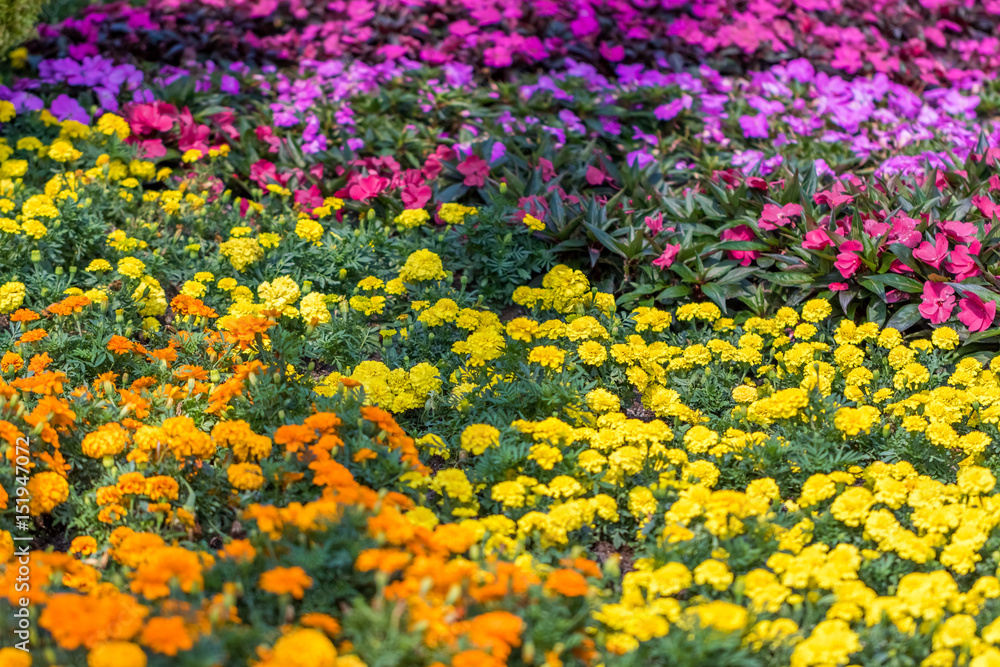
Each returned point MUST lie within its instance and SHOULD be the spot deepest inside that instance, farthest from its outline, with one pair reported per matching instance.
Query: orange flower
(162, 566)
(383, 560)
(87, 620)
(11, 360)
(294, 436)
(24, 315)
(324, 422)
(327, 624)
(569, 583)
(32, 336)
(83, 545)
(166, 635)
(476, 659)
(183, 304)
(498, 631)
(47, 383)
(332, 474)
(120, 345)
(286, 580)
(364, 454)
(238, 550)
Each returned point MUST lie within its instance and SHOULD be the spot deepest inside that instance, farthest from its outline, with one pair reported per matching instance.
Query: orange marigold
(47, 490)
(167, 635)
(569, 583)
(286, 580)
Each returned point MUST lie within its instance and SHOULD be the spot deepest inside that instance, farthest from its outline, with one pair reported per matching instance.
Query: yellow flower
(477, 438)
(945, 338)
(421, 266)
(548, 356)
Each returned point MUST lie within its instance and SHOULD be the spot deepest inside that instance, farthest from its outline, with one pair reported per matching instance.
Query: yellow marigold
(62, 150)
(286, 580)
(241, 252)
(477, 438)
(412, 217)
(11, 296)
(109, 124)
(602, 401)
(592, 353)
(131, 267)
(245, 476)
(816, 310)
(945, 338)
(422, 265)
(547, 356)
(308, 229)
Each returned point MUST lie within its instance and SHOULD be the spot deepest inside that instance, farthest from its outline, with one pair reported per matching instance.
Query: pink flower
(817, 239)
(416, 195)
(933, 254)
(741, 233)
(366, 187)
(594, 175)
(976, 314)
(148, 118)
(757, 183)
(959, 232)
(774, 216)
(848, 262)
(838, 287)
(904, 230)
(962, 263)
(475, 169)
(667, 258)
(832, 198)
(938, 302)
(986, 207)
(655, 224)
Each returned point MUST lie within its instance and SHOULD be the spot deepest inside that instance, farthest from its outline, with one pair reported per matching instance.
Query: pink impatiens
(938, 302)
(975, 313)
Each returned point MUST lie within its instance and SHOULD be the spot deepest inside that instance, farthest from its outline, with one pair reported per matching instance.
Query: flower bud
(36, 256)
(503, 187)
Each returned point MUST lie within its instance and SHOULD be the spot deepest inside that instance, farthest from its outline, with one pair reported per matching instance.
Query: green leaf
(716, 294)
(905, 317)
(899, 282)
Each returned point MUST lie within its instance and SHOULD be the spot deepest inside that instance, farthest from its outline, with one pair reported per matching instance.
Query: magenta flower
(475, 169)
(938, 302)
(148, 118)
(667, 258)
(817, 239)
(655, 223)
(933, 254)
(774, 216)
(962, 262)
(755, 127)
(959, 232)
(975, 313)
(847, 261)
(838, 287)
(741, 233)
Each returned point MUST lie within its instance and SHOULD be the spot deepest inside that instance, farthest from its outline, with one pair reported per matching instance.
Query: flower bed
(460, 335)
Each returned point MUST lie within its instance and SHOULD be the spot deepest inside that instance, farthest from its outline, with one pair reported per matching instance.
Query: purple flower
(671, 109)
(754, 127)
(65, 107)
(229, 84)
